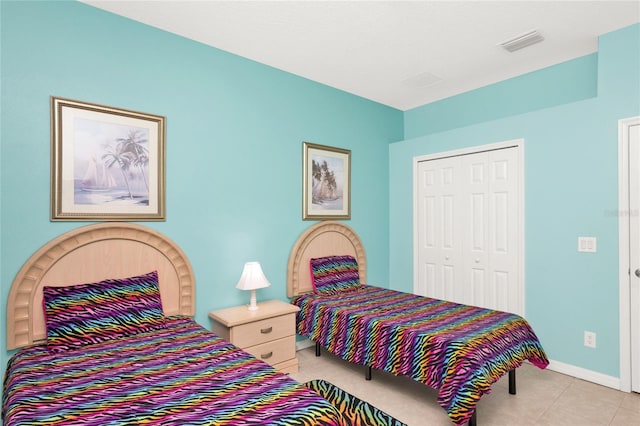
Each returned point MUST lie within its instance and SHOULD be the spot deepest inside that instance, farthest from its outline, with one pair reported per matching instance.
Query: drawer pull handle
(267, 355)
(266, 330)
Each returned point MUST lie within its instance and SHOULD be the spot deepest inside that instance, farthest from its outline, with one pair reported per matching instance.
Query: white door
(440, 245)
(634, 247)
(468, 220)
(629, 251)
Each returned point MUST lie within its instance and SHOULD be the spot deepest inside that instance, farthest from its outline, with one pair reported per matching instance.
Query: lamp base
(253, 305)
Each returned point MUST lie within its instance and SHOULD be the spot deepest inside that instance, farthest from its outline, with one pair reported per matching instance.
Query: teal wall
(234, 143)
(234, 149)
(571, 184)
(556, 85)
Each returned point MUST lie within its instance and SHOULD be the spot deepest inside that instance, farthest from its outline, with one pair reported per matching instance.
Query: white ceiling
(390, 51)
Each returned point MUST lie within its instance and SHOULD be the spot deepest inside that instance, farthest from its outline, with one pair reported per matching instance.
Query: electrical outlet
(590, 339)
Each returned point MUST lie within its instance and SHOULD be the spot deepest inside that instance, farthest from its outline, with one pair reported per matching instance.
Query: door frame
(624, 254)
(515, 143)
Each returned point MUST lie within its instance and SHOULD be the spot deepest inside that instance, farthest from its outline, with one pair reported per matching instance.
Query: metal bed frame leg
(512, 382)
(317, 349)
(368, 373)
(512, 391)
(472, 420)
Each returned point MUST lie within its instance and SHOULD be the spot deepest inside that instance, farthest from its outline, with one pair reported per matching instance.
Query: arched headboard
(322, 239)
(90, 254)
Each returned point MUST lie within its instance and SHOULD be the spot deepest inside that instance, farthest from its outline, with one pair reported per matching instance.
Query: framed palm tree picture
(326, 182)
(107, 164)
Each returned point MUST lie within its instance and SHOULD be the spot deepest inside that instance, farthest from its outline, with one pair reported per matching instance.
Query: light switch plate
(587, 244)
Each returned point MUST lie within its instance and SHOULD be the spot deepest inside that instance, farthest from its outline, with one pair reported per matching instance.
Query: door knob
(637, 273)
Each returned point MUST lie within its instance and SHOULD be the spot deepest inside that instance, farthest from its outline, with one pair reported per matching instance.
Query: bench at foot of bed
(357, 411)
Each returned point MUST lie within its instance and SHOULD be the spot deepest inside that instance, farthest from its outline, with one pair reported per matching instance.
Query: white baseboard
(584, 374)
(303, 344)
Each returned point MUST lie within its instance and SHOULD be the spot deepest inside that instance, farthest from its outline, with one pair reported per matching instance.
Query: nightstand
(268, 333)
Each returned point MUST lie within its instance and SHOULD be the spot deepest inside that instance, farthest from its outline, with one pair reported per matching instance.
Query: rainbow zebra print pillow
(334, 274)
(84, 314)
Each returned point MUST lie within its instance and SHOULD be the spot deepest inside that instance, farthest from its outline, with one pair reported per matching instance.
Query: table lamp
(252, 278)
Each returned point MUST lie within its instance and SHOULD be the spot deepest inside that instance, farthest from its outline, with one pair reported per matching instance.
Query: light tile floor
(543, 397)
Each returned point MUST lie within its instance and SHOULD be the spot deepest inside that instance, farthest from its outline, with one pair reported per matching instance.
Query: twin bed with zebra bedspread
(457, 349)
(179, 375)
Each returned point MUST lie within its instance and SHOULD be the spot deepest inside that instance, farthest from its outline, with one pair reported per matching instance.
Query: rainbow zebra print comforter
(180, 375)
(459, 350)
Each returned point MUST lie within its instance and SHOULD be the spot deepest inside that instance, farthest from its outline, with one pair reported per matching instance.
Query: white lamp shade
(252, 277)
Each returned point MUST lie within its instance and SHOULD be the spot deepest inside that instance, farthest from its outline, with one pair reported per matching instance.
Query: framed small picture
(107, 164)
(326, 182)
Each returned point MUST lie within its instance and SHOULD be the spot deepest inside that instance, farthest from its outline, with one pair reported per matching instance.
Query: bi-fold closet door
(469, 228)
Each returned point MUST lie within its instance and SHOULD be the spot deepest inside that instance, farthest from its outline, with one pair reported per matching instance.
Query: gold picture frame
(326, 172)
(107, 164)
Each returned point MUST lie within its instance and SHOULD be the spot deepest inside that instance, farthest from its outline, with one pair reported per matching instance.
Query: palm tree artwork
(118, 171)
(325, 191)
(129, 152)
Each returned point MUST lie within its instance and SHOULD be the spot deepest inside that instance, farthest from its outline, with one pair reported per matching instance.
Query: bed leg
(512, 382)
(368, 373)
(472, 420)
(317, 349)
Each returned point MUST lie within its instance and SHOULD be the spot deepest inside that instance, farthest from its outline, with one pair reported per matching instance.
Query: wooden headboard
(93, 253)
(319, 240)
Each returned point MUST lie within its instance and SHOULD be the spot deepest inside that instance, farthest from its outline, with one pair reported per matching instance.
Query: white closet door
(440, 248)
(468, 229)
(474, 224)
(505, 289)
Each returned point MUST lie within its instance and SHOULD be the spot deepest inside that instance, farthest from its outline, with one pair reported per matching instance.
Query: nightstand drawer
(265, 330)
(276, 351)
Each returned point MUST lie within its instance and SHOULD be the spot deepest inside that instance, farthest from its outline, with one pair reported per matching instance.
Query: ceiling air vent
(424, 79)
(522, 41)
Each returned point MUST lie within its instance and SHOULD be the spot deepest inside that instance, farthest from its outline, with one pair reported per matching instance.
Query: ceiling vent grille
(424, 79)
(522, 41)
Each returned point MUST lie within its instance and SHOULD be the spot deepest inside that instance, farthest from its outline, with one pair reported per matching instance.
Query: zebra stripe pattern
(358, 412)
(458, 349)
(334, 274)
(179, 375)
(84, 314)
